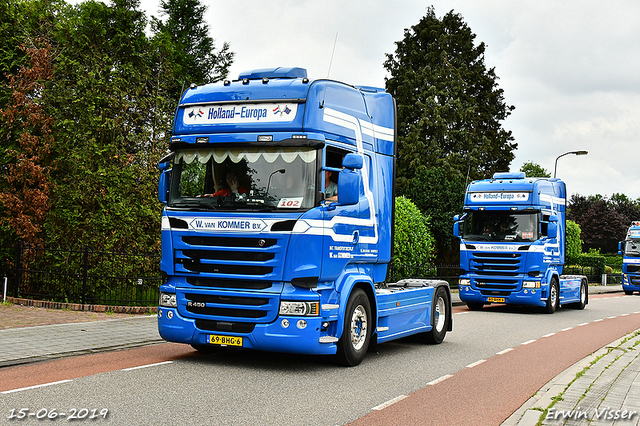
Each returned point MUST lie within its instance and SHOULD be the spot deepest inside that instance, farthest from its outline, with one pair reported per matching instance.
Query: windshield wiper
(199, 204)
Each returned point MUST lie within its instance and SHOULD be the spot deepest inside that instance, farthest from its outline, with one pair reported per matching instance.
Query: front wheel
(439, 317)
(356, 335)
(628, 292)
(553, 298)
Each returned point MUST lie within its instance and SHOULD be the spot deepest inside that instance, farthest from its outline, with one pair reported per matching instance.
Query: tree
(187, 48)
(532, 169)
(573, 242)
(440, 198)
(413, 244)
(602, 226)
(28, 128)
(102, 101)
(450, 108)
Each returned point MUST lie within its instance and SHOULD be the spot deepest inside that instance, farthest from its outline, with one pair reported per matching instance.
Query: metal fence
(81, 275)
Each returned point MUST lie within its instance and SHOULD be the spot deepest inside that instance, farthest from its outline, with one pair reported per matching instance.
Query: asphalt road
(484, 370)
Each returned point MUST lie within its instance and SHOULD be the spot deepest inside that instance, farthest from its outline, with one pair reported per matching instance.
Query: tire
(439, 317)
(628, 292)
(584, 296)
(553, 300)
(356, 335)
(475, 306)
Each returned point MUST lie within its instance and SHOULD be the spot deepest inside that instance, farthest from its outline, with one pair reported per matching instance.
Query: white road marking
(36, 386)
(389, 402)
(145, 366)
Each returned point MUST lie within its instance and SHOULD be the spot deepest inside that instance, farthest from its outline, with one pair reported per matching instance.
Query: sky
(571, 68)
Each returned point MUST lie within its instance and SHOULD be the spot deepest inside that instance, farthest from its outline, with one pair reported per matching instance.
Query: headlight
(299, 308)
(168, 300)
(531, 284)
(464, 281)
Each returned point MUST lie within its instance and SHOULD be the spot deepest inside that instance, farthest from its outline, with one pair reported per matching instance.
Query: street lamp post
(567, 153)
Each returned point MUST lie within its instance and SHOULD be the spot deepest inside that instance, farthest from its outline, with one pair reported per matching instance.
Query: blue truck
(630, 249)
(512, 244)
(278, 222)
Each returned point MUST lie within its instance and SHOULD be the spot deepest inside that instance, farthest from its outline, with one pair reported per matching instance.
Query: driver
(233, 187)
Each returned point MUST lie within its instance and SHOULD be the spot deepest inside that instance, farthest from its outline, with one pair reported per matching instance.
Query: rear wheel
(475, 306)
(584, 296)
(439, 317)
(356, 335)
(553, 298)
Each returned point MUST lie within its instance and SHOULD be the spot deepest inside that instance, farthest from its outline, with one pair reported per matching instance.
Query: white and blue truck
(512, 244)
(258, 251)
(630, 251)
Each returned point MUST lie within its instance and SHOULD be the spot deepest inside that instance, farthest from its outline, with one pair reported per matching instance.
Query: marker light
(265, 138)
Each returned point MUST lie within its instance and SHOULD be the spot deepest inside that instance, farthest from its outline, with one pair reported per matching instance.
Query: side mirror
(349, 183)
(620, 247)
(352, 161)
(164, 182)
(456, 226)
(552, 229)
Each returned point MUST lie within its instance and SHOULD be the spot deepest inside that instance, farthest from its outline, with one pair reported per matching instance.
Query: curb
(85, 308)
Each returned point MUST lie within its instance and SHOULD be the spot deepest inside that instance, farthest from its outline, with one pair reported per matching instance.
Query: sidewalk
(31, 344)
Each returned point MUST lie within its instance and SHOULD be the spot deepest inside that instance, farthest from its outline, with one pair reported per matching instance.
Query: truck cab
(630, 249)
(512, 244)
(258, 249)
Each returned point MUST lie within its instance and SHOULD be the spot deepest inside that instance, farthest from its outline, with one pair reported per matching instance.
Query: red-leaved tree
(26, 195)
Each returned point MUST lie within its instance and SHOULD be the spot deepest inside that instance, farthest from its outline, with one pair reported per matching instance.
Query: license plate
(496, 299)
(225, 340)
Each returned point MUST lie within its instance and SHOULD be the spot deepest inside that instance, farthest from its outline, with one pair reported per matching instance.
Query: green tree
(450, 108)
(187, 49)
(413, 244)
(532, 169)
(103, 98)
(440, 198)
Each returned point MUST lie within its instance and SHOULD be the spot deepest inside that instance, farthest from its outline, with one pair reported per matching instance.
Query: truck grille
(496, 263)
(633, 268)
(496, 273)
(230, 282)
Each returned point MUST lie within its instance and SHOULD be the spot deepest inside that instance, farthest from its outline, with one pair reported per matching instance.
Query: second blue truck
(512, 244)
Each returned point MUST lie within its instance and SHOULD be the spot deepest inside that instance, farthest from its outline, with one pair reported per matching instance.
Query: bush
(573, 242)
(413, 243)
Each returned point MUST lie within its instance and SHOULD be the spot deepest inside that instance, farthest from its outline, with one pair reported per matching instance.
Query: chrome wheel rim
(440, 317)
(358, 327)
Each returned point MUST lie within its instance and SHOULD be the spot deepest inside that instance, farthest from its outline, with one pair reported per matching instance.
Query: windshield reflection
(274, 178)
(500, 226)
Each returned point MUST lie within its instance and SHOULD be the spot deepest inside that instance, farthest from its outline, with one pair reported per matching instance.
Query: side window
(544, 224)
(330, 170)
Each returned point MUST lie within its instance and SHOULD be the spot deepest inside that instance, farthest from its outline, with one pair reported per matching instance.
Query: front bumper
(526, 296)
(273, 337)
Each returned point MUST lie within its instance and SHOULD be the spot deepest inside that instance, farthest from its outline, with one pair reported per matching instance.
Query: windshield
(632, 248)
(498, 226)
(281, 178)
